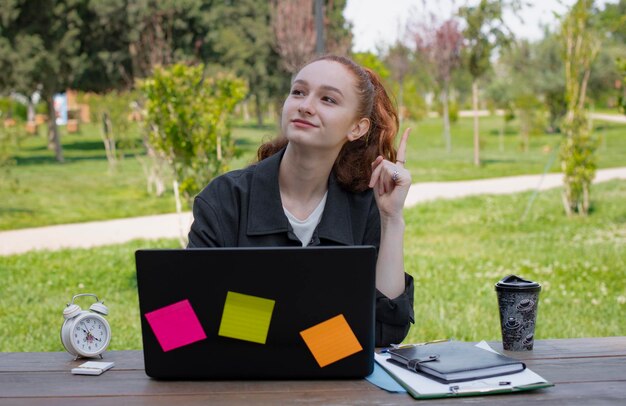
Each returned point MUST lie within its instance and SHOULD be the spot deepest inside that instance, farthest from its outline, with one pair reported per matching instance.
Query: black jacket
(243, 208)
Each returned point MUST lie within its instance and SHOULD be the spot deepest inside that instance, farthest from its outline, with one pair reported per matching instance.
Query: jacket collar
(266, 214)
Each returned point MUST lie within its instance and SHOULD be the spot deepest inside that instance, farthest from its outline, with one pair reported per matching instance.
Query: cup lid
(514, 282)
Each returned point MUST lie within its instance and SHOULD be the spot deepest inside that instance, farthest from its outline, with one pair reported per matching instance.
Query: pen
(401, 346)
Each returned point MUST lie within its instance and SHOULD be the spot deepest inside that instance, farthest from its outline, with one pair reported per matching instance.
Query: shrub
(188, 122)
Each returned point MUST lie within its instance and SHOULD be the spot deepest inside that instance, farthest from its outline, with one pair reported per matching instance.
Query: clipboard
(421, 387)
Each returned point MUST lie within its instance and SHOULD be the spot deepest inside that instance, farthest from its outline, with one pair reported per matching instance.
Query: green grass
(429, 161)
(456, 250)
(84, 188)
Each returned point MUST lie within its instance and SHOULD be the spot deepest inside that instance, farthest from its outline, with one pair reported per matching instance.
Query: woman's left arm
(391, 182)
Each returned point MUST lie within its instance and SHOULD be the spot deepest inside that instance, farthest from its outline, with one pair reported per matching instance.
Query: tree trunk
(31, 111)
(179, 210)
(401, 104)
(246, 112)
(446, 118)
(320, 46)
(54, 139)
(259, 110)
(501, 136)
(476, 134)
(108, 141)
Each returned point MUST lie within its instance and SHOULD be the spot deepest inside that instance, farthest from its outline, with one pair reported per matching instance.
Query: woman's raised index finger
(401, 155)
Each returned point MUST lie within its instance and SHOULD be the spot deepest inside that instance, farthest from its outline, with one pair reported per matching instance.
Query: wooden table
(586, 371)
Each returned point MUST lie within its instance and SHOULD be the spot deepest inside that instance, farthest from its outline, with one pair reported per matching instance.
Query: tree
(239, 38)
(441, 45)
(40, 48)
(105, 42)
(294, 31)
(399, 61)
(337, 30)
(622, 97)
(518, 68)
(9, 141)
(578, 161)
(188, 122)
(372, 61)
(548, 73)
(113, 111)
(484, 31)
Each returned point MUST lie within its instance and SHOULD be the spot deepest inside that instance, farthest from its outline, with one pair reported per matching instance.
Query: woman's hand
(391, 182)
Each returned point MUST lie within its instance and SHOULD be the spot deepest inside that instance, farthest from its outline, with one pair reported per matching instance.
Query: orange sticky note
(331, 340)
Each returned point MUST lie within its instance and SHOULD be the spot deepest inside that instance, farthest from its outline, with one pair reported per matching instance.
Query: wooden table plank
(62, 361)
(136, 383)
(571, 347)
(565, 394)
(585, 371)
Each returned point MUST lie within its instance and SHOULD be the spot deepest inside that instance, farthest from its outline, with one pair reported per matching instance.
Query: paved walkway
(168, 225)
(614, 118)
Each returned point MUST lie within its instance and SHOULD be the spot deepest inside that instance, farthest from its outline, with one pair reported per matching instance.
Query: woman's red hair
(353, 165)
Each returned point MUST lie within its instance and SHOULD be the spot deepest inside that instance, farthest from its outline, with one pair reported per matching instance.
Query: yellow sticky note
(331, 340)
(246, 317)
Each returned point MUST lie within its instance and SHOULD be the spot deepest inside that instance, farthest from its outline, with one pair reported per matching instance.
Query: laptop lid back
(257, 313)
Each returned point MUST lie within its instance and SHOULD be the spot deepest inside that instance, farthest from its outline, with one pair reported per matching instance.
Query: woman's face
(320, 111)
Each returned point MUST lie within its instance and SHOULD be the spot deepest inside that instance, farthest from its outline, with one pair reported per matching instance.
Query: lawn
(456, 250)
(85, 189)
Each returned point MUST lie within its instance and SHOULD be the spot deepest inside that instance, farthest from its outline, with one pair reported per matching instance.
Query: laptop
(257, 313)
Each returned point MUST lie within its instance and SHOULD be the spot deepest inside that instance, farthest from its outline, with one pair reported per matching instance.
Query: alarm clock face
(90, 335)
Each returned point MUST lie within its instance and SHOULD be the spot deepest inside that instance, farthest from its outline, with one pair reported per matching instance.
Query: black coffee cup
(518, 299)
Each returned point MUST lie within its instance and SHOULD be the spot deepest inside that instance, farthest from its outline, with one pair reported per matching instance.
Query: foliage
(84, 190)
(517, 65)
(294, 31)
(549, 79)
(531, 117)
(400, 62)
(337, 30)
(622, 97)
(113, 112)
(578, 160)
(456, 250)
(484, 31)
(188, 121)
(441, 46)
(40, 47)
(10, 108)
(125, 40)
(413, 105)
(453, 112)
(372, 61)
(238, 37)
(9, 141)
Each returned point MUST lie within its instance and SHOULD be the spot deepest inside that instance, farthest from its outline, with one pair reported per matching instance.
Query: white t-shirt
(303, 229)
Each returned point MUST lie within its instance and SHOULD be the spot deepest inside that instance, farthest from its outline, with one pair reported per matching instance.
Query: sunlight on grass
(85, 189)
(456, 250)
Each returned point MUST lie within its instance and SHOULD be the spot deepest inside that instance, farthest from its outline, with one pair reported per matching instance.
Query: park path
(91, 234)
(614, 118)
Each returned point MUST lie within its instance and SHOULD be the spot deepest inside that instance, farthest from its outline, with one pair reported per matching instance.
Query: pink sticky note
(175, 325)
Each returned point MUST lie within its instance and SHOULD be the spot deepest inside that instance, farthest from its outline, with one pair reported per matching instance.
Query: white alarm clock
(85, 333)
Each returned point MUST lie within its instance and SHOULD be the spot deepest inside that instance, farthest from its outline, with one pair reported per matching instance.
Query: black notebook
(455, 361)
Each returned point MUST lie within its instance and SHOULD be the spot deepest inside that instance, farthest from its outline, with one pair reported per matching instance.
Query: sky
(378, 23)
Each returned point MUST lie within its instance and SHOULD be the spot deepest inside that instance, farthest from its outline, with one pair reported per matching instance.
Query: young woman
(332, 177)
